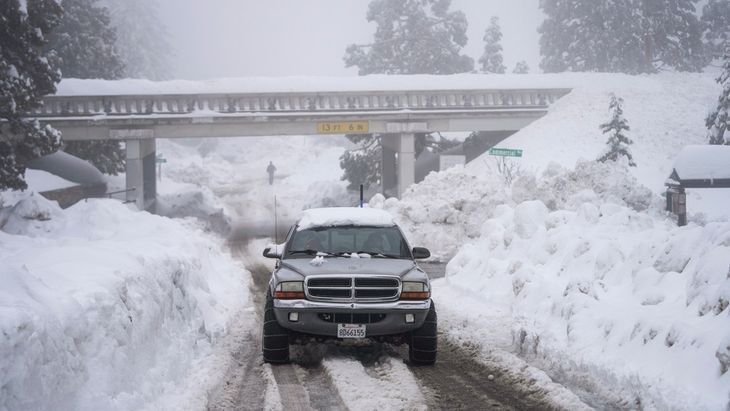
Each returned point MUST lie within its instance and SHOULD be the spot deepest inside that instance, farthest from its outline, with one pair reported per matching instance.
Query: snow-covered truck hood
(344, 265)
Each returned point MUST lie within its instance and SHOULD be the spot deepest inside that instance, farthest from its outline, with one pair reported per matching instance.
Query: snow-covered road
(331, 377)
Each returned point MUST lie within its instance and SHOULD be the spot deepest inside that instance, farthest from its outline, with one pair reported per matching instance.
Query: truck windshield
(376, 241)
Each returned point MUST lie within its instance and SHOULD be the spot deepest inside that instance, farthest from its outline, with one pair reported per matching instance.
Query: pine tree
(673, 34)
(716, 26)
(491, 60)
(360, 166)
(412, 37)
(629, 36)
(86, 44)
(521, 68)
(27, 73)
(142, 39)
(618, 143)
(581, 35)
(718, 122)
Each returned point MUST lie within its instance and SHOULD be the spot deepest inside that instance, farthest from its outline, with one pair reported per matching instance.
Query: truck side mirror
(272, 254)
(420, 252)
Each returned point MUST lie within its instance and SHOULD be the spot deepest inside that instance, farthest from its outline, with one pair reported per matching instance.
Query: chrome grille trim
(380, 288)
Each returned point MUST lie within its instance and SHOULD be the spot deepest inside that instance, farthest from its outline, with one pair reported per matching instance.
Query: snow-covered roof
(703, 162)
(333, 216)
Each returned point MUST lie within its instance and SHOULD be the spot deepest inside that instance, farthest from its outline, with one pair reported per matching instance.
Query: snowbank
(608, 295)
(582, 273)
(448, 208)
(105, 308)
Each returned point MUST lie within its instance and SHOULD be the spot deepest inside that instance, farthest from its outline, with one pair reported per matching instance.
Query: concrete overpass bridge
(139, 112)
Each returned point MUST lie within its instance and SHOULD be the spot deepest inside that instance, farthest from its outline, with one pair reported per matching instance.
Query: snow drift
(603, 290)
(575, 266)
(106, 308)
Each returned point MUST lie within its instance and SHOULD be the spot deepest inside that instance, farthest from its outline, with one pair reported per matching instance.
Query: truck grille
(355, 288)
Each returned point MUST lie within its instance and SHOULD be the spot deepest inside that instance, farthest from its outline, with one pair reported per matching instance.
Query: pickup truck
(348, 274)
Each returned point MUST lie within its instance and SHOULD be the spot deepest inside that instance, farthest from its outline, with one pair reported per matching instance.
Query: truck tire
(423, 342)
(275, 344)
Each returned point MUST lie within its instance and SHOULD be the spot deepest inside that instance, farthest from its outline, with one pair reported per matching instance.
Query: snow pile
(434, 216)
(325, 217)
(105, 308)
(628, 298)
(180, 200)
(575, 267)
(447, 209)
(558, 187)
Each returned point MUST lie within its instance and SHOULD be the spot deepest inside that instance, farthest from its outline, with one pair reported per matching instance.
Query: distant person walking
(271, 169)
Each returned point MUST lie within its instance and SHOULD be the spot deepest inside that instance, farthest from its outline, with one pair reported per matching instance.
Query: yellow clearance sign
(343, 127)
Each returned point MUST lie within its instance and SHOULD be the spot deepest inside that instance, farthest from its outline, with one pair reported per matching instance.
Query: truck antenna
(276, 226)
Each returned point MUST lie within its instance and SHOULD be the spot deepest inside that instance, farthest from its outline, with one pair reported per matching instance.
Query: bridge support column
(388, 173)
(406, 162)
(398, 163)
(141, 173)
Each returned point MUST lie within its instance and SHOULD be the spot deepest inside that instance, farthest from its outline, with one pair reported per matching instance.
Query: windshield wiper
(309, 251)
(380, 255)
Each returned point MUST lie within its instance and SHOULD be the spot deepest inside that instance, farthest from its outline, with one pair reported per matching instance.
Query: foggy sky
(235, 38)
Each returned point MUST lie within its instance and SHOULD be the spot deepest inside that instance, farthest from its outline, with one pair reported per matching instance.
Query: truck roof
(337, 216)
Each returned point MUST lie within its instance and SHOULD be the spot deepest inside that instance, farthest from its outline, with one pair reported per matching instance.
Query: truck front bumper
(321, 318)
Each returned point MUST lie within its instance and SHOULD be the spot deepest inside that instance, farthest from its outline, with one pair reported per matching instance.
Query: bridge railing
(142, 105)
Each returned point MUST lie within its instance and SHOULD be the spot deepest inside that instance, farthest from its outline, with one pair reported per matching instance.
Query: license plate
(350, 331)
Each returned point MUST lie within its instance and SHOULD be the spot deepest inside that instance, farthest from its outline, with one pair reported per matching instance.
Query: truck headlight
(289, 290)
(415, 290)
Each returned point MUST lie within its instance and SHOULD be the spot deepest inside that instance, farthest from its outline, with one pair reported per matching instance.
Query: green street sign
(505, 152)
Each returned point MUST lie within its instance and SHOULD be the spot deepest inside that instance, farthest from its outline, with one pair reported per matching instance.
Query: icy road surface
(331, 377)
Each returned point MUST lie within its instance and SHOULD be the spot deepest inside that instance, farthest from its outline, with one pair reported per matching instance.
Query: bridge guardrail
(142, 105)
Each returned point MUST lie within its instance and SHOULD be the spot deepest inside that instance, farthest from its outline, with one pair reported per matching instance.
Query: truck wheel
(422, 342)
(275, 337)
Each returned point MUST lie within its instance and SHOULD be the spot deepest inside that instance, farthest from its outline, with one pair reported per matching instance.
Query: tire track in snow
(301, 385)
(387, 384)
(241, 387)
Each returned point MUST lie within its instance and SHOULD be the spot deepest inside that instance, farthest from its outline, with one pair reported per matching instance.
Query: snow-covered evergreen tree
(360, 166)
(412, 37)
(582, 35)
(618, 143)
(86, 44)
(672, 34)
(521, 67)
(491, 60)
(716, 26)
(630, 36)
(718, 122)
(27, 73)
(142, 39)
